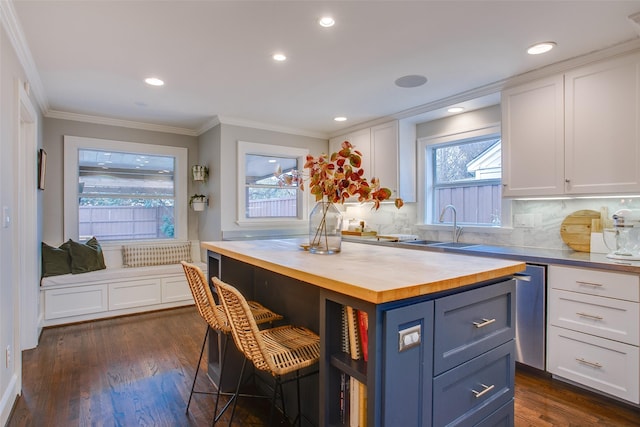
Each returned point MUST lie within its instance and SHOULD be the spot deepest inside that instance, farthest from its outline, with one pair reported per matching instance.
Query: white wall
(11, 283)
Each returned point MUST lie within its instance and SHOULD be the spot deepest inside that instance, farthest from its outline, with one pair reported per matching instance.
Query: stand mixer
(626, 226)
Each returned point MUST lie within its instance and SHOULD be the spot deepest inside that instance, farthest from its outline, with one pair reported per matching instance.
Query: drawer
(472, 323)
(604, 317)
(595, 282)
(136, 293)
(503, 417)
(175, 289)
(66, 302)
(605, 365)
(474, 390)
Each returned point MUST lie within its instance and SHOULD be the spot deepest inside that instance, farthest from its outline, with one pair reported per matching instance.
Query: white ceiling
(215, 56)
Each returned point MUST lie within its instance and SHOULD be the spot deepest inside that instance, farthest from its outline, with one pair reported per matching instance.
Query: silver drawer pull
(484, 323)
(487, 388)
(586, 362)
(590, 316)
(597, 285)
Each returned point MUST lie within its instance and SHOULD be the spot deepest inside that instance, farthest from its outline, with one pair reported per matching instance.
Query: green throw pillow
(55, 261)
(86, 257)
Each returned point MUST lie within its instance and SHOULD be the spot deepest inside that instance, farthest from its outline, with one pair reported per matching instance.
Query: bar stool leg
(235, 396)
(217, 416)
(195, 377)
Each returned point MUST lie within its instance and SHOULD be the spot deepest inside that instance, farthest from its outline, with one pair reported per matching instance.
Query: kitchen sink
(452, 244)
(438, 244)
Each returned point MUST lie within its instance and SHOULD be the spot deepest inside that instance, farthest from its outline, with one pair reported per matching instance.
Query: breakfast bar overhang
(440, 332)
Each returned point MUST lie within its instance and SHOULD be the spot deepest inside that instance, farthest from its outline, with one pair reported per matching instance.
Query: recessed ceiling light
(455, 110)
(340, 119)
(279, 57)
(412, 80)
(539, 48)
(326, 21)
(153, 81)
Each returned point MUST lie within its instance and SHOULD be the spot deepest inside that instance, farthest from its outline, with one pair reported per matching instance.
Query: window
(465, 173)
(261, 197)
(124, 191)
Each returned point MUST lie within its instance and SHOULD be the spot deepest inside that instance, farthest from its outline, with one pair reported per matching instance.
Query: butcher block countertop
(377, 274)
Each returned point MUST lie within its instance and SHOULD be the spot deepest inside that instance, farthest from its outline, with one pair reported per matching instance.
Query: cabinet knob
(567, 180)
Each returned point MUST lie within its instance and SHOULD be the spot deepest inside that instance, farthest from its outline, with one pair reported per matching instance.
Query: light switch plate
(6, 216)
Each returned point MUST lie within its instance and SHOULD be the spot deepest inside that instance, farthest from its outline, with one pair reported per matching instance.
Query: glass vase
(325, 228)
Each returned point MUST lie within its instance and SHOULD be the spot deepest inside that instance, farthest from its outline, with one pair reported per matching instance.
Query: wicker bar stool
(278, 351)
(216, 319)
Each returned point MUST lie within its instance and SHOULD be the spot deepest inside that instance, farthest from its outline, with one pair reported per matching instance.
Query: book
(362, 405)
(363, 328)
(354, 341)
(354, 402)
(344, 344)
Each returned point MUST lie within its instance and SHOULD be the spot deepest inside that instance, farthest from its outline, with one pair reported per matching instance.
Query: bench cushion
(146, 255)
(111, 274)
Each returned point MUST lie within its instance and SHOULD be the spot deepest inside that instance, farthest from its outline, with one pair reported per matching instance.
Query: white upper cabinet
(384, 159)
(602, 127)
(388, 153)
(533, 139)
(577, 133)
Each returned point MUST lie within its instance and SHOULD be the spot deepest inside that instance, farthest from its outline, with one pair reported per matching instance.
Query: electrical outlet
(8, 356)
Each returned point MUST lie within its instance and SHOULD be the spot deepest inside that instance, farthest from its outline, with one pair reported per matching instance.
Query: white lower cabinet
(135, 293)
(89, 300)
(605, 365)
(175, 289)
(69, 302)
(593, 329)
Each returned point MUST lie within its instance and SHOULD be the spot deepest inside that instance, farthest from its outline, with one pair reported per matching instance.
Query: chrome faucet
(456, 230)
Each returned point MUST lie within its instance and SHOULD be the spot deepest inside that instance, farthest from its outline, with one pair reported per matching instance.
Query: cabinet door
(605, 365)
(471, 323)
(468, 393)
(408, 365)
(533, 139)
(605, 317)
(361, 140)
(603, 127)
(384, 147)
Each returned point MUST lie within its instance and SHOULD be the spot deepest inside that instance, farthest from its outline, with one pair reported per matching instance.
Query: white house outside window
(124, 191)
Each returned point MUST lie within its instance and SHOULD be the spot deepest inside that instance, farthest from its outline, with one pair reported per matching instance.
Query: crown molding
(62, 115)
(233, 121)
(209, 124)
(619, 49)
(14, 31)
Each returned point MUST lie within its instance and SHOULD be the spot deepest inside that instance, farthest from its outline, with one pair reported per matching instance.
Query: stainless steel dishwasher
(531, 316)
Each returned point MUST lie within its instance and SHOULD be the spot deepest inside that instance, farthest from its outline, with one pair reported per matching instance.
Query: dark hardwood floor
(137, 371)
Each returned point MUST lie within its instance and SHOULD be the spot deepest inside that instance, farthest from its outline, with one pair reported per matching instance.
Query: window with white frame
(123, 191)
(261, 195)
(464, 171)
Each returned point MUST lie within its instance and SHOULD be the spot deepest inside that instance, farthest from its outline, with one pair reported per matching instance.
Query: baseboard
(8, 399)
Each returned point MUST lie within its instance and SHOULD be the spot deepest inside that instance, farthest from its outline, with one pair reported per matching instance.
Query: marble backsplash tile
(546, 215)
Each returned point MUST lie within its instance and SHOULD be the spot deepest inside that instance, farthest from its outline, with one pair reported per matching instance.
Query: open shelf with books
(348, 342)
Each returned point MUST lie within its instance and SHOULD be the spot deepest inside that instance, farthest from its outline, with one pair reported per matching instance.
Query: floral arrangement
(339, 177)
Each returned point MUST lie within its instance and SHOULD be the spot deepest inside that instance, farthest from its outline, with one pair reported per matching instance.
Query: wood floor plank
(137, 370)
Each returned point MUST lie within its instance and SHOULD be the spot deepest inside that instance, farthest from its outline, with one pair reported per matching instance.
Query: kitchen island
(440, 327)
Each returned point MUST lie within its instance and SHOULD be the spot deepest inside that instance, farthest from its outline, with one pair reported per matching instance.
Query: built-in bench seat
(116, 290)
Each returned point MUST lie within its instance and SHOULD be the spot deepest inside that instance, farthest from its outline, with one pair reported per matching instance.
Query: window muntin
(124, 191)
(467, 174)
(261, 198)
